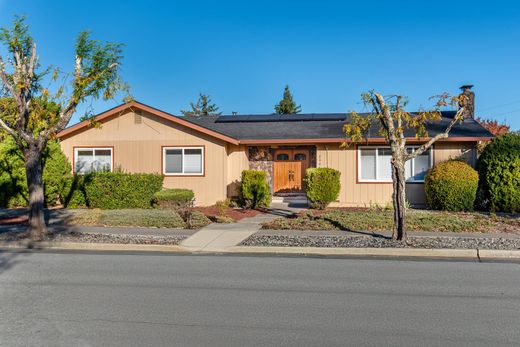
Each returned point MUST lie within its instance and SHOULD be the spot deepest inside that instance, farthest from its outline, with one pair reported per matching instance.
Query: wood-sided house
(207, 154)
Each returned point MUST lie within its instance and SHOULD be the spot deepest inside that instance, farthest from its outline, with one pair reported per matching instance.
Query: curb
(83, 246)
(380, 252)
(475, 254)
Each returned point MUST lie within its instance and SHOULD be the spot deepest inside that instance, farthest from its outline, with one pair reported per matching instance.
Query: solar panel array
(281, 118)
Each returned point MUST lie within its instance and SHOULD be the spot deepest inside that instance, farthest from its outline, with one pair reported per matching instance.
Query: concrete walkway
(217, 237)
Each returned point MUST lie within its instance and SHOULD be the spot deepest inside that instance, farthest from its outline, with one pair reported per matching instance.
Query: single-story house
(208, 154)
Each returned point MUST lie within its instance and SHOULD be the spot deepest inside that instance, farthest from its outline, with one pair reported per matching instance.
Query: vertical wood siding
(137, 148)
(353, 193)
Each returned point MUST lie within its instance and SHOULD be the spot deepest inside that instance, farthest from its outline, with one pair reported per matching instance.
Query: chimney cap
(466, 86)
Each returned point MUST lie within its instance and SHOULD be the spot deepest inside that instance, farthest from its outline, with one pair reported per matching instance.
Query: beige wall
(236, 163)
(363, 194)
(137, 148)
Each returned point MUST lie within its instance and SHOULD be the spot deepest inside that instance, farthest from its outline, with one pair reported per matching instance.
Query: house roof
(269, 128)
(322, 127)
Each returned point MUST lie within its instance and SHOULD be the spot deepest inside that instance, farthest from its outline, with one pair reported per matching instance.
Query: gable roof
(134, 105)
(301, 128)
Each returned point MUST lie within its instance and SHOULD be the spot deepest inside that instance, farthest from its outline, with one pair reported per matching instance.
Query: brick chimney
(467, 100)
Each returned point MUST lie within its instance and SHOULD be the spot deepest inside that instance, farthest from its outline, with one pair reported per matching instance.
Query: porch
(285, 167)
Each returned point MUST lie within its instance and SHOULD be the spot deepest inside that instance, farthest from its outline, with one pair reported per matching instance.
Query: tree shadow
(341, 227)
(8, 259)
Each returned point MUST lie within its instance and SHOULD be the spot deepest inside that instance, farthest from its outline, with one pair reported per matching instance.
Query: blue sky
(243, 53)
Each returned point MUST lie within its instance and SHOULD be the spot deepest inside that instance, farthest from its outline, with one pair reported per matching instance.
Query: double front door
(289, 170)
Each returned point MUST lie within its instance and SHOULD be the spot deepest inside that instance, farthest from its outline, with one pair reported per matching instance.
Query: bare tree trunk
(33, 170)
(399, 200)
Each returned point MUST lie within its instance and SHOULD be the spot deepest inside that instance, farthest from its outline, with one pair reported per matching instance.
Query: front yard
(380, 220)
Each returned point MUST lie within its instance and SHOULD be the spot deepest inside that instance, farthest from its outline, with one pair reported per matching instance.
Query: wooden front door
(289, 170)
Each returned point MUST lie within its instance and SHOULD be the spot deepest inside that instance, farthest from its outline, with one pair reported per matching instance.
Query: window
(282, 156)
(374, 165)
(183, 161)
(300, 156)
(92, 160)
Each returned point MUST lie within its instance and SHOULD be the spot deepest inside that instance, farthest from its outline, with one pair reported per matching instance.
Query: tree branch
(427, 145)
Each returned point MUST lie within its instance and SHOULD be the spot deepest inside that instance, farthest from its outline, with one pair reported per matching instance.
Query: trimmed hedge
(75, 196)
(172, 198)
(322, 186)
(114, 190)
(254, 189)
(451, 186)
(499, 170)
(13, 182)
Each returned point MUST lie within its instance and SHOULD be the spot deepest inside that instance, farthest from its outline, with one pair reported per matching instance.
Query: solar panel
(281, 118)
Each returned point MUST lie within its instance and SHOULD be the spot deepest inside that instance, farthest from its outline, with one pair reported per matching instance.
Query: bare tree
(392, 120)
(32, 114)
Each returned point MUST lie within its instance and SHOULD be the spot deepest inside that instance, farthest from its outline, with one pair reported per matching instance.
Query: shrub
(114, 190)
(222, 206)
(197, 220)
(75, 196)
(173, 198)
(254, 189)
(451, 186)
(13, 183)
(499, 170)
(322, 186)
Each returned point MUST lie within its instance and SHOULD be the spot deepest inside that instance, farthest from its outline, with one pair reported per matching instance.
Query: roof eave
(369, 140)
(134, 104)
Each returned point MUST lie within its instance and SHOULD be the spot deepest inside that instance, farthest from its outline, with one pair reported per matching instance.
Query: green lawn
(157, 218)
(417, 220)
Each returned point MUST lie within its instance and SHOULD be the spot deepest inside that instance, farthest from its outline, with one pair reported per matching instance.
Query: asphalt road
(55, 299)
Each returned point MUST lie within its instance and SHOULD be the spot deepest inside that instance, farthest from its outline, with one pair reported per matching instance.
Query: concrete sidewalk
(217, 237)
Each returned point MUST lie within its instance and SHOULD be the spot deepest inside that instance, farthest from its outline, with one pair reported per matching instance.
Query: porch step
(286, 199)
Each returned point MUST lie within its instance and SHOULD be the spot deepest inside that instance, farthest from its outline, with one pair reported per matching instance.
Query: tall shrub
(113, 190)
(254, 189)
(451, 186)
(13, 182)
(322, 186)
(499, 170)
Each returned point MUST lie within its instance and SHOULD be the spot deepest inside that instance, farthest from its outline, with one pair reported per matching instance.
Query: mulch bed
(14, 220)
(236, 214)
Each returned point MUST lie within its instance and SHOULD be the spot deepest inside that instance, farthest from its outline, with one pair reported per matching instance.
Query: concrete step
(287, 199)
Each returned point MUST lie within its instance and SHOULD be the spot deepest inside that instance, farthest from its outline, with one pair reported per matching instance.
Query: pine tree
(203, 107)
(287, 104)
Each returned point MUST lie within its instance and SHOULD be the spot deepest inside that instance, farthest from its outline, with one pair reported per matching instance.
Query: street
(89, 299)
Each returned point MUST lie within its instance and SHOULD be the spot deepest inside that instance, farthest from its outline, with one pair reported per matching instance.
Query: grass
(155, 218)
(416, 220)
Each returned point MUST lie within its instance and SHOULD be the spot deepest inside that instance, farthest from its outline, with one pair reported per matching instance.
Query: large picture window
(374, 165)
(93, 160)
(183, 161)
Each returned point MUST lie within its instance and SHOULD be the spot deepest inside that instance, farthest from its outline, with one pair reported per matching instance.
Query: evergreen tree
(287, 104)
(203, 107)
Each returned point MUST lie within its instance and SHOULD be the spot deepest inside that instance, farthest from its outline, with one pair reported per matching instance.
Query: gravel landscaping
(381, 242)
(100, 238)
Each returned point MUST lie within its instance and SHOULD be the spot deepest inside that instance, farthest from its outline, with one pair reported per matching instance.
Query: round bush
(254, 189)
(499, 171)
(451, 186)
(322, 186)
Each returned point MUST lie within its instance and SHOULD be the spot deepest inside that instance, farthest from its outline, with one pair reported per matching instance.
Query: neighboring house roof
(249, 129)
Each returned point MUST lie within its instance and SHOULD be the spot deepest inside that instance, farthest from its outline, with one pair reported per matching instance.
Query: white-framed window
(93, 160)
(374, 164)
(187, 161)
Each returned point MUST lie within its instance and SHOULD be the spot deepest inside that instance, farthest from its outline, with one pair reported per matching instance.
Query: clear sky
(243, 53)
